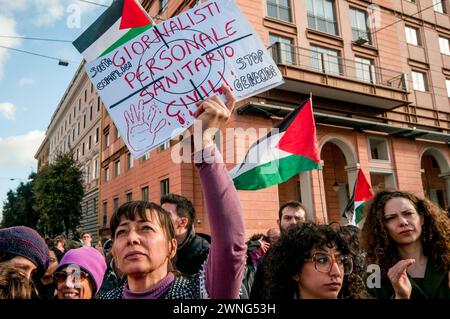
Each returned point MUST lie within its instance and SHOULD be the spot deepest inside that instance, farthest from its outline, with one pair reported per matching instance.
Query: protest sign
(150, 84)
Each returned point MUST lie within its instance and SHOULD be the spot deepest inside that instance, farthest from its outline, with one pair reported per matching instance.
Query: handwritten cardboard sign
(151, 83)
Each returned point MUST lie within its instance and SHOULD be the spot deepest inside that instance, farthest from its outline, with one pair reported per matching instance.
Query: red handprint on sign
(141, 130)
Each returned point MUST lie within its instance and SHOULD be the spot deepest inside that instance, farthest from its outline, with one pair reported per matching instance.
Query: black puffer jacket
(192, 253)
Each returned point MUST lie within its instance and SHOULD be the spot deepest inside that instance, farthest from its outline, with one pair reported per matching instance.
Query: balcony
(330, 76)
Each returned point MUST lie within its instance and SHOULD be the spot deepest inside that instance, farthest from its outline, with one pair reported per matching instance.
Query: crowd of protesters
(155, 253)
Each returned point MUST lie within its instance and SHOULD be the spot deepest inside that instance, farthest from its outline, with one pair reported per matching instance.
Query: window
(412, 35)
(130, 161)
(438, 6)
(365, 70)
(325, 60)
(117, 133)
(165, 145)
(163, 5)
(95, 168)
(144, 193)
(88, 172)
(85, 95)
(105, 214)
(90, 113)
(218, 139)
(285, 49)
(70, 119)
(321, 16)
(90, 142)
(73, 134)
(107, 139)
(117, 168)
(96, 134)
(279, 9)
(106, 174)
(116, 204)
(358, 21)
(79, 104)
(378, 149)
(78, 128)
(78, 153)
(98, 104)
(164, 187)
(418, 79)
(146, 156)
(74, 112)
(129, 196)
(444, 45)
(82, 150)
(84, 121)
(447, 84)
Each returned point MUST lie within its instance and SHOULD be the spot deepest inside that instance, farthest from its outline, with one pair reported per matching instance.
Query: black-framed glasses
(323, 262)
(76, 274)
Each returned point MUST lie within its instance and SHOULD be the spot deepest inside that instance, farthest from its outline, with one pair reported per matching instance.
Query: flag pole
(321, 196)
(144, 12)
(318, 174)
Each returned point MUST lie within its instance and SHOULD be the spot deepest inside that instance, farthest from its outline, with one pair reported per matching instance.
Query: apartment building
(379, 76)
(75, 126)
(42, 154)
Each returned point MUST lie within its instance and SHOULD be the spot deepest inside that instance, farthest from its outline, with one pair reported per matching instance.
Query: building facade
(42, 154)
(379, 76)
(75, 127)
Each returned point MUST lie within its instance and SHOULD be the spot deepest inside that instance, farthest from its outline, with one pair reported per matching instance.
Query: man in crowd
(86, 238)
(192, 249)
(290, 213)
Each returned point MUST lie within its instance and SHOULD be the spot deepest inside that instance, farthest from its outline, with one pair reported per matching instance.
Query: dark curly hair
(288, 255)
(354, 287)
(382, 250)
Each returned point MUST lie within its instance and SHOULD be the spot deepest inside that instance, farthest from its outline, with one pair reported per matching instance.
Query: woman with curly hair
(309, 262)
(409, 238)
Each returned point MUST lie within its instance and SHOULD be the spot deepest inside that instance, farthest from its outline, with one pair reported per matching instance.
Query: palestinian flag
(121, 22)
(362, 192)
(289, 149)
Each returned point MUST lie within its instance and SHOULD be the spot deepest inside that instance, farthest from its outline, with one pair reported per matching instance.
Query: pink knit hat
(89, 259)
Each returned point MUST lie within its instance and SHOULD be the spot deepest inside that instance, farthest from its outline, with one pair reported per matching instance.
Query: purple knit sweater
(155, 292)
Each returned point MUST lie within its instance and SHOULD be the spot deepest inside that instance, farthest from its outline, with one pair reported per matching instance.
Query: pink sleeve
(227, 256)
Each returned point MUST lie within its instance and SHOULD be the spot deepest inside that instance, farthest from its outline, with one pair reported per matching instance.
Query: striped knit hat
(26, 242)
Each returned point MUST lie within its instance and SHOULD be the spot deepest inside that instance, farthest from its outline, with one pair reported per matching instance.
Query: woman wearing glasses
(80, 273)
(409, 238)
(310, 262)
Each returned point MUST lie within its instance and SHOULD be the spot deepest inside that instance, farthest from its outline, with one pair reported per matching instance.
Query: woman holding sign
(409, 239)
(144, 243)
